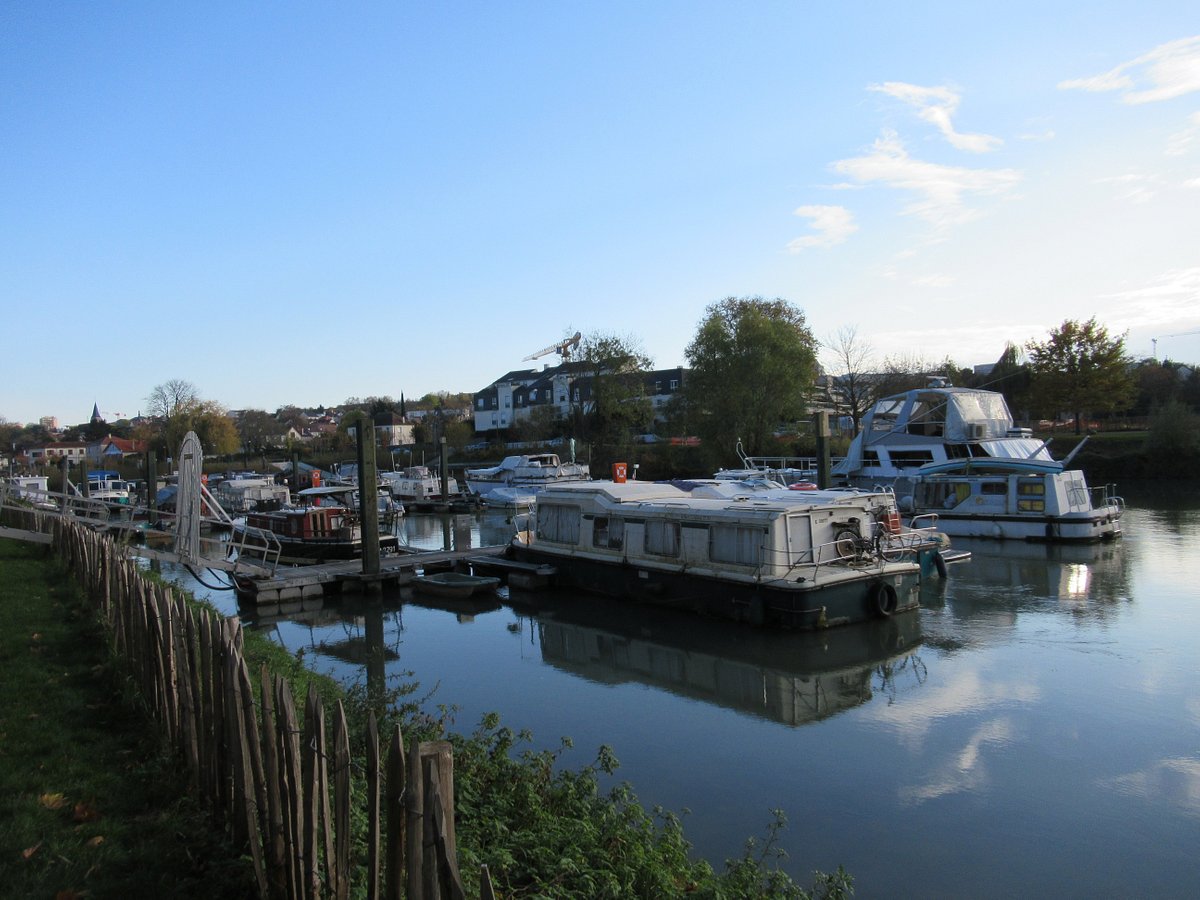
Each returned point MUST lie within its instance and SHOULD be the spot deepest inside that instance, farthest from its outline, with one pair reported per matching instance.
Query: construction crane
(1154, 341)
(562, 348)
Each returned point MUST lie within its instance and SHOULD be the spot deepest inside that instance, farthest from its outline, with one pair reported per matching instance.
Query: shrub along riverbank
(92, 806)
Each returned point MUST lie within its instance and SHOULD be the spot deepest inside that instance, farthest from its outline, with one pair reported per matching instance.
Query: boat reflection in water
(788, 677)
(1013, 577)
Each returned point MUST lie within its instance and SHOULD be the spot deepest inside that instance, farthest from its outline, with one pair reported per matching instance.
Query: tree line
(752, 369)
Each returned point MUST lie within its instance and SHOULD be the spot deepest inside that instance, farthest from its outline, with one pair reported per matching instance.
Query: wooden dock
(299, 583)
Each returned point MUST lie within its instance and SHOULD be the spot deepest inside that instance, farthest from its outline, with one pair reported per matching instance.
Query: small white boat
(455, 585)
(533, 472)
(419, 484)
(510, 498)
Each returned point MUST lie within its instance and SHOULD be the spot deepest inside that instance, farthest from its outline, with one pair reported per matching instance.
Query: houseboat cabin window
(993, 487)
(558, 523)
(1031, 493)
(608, 533)
(662, 537)
(940, 494)
(738, 544)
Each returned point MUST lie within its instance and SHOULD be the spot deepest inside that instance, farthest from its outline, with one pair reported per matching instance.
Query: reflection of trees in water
(891, 674)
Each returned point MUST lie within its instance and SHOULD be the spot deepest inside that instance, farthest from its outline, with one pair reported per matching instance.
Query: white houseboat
(533, 472)
(1016, 499)
(956, 453)
(799, 564)
(419, 484)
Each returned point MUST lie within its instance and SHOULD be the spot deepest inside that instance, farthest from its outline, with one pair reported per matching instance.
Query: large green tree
(1080, 369)
(753, 365)
(615, 367)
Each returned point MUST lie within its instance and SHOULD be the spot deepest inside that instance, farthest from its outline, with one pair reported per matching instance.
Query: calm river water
(1033, 729)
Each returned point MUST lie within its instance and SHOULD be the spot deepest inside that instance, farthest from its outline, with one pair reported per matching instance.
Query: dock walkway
(322, 579)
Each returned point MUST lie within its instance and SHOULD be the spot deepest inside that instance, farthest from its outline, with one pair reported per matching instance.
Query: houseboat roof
(682, 494)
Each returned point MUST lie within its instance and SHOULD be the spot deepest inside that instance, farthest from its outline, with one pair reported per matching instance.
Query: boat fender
(883, 595)
(939, 563)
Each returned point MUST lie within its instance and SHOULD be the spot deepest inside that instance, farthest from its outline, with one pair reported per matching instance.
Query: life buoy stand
(883, 596)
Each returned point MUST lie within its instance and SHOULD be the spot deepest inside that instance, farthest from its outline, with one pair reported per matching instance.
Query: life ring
(939, 563)
(883, 595)
(802, 486)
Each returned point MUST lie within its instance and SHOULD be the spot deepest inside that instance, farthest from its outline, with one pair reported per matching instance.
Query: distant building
(515, 396)
(50, 423)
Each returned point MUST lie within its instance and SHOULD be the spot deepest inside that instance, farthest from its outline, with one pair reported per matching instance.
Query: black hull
(802, 608)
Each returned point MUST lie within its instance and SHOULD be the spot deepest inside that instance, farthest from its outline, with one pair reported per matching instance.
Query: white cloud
(941, 190)
(1171, 299)
(937, 280)
(1041, 137)
(937, 105)
(1169, 70)
(833, 225)
(1133, 186)
(1174, 780)
(1192, 183)
(966, 771)
(1182, 141)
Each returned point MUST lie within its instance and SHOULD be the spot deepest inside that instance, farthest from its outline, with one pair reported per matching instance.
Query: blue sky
(299, 203)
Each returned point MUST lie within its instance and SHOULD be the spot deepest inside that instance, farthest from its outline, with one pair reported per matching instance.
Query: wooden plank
(274, 839)
(316, 790)
(256, 789)
(291, 791)
(29, 537)
(373, 819)
(396, 811)
(414, 814)
(340, 867)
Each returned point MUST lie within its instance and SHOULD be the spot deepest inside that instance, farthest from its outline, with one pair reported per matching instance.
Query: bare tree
(855, 385)
(171, 398)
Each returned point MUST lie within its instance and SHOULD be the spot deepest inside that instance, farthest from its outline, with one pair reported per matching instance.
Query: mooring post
(444, 473)
(368, 496)
(296, 483)
(821, 428)
(152, 484)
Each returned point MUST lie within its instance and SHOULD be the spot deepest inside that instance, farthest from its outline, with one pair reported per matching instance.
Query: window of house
(674, 383)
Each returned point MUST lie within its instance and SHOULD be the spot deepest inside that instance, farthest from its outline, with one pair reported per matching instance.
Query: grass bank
(89, 805)
(93, 808)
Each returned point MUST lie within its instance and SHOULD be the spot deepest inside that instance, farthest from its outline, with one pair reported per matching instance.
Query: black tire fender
(884, 598)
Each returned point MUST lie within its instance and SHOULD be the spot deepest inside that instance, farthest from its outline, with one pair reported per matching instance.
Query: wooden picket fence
(279, 789)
